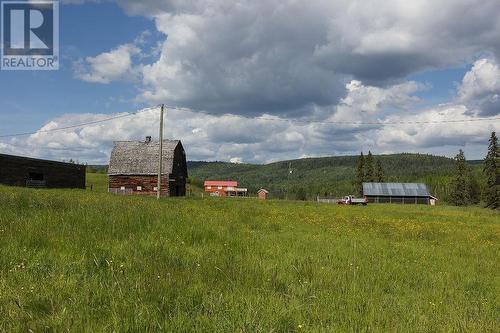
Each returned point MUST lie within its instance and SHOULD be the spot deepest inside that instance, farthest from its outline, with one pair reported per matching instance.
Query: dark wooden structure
(398, 193)
(31, 172)
(133, 168)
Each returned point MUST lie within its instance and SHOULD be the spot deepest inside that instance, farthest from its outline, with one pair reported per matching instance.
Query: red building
(263, 194)
(224, 188)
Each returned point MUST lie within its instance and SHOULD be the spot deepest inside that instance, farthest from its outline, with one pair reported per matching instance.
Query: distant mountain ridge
(327, 175)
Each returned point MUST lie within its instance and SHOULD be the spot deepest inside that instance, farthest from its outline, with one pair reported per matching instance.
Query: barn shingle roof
(396, 189)
(141, 158)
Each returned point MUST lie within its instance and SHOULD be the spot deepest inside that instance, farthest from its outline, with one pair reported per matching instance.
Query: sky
(259, 81)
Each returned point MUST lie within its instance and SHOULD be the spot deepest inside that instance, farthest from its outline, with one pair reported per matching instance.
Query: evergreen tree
(369, 168)
(492, 173)
(360, 174)
(379, 174)
(475, 189)
(460, 189)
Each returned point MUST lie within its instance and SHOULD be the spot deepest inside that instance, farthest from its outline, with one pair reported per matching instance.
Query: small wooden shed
(262, 194)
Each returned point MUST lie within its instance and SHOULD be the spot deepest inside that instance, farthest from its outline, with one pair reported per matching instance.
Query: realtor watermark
(30, 35)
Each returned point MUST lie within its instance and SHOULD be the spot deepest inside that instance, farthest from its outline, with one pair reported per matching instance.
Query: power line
(299, 121)
(80, 148)
(265, 118)
(79, 125)
(304, 121)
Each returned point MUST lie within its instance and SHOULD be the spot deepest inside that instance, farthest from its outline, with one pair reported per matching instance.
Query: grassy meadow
(75, 260)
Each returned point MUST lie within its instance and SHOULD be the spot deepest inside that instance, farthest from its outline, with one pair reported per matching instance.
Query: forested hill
(332, 176)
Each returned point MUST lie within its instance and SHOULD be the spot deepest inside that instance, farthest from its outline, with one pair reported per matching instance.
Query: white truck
(351, 200)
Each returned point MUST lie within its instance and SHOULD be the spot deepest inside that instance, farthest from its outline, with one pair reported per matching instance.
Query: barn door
(36, 179)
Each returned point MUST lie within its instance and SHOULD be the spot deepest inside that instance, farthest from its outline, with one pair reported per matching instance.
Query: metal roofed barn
(399, 193)
(133, 168)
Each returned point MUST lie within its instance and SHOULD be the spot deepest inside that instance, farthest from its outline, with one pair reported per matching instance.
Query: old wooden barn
(398, 193)
(133, 168)
(31, 172)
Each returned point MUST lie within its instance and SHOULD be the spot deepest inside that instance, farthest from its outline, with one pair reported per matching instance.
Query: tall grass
(97, 182)
(89, 261)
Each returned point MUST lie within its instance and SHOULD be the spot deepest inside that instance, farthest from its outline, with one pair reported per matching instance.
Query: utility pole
(289, 174)
(160, 162)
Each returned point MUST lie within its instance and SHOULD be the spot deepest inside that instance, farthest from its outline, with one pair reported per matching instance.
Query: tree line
(368, 170)
(465, 187)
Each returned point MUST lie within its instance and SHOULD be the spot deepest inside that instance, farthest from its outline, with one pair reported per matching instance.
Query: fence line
(328, 200)
(127, 191)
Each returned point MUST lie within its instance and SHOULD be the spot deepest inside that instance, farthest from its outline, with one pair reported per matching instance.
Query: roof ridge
(139, 141)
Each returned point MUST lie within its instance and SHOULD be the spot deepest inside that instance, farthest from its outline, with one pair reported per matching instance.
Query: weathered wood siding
(20, 171)
(147, 184)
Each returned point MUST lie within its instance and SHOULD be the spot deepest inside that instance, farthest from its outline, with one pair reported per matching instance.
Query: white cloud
(236, 160)
(480, 87)
(280, 57)
(329, 61)
(372, 100)
(109, 66)
(237, 139)
(430, 135)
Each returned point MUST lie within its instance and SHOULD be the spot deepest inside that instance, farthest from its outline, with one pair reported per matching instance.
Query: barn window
(219, 187)
(209, 187)
(36, 176)
(155, 188)
(139, 188)
(122, 188)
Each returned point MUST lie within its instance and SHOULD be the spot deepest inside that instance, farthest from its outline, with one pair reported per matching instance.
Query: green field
(94, 262)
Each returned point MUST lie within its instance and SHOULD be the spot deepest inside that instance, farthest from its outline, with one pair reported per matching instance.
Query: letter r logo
(28, 28)
(30, 35)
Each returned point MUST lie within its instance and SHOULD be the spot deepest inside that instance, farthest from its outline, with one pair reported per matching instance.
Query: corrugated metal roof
(396, 189)
(141, 158)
